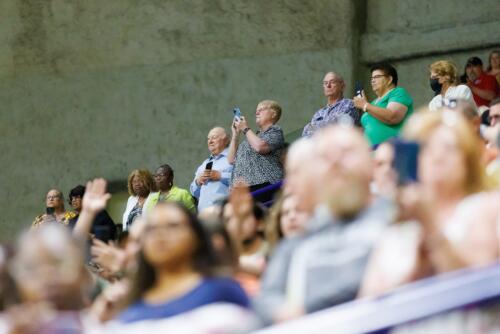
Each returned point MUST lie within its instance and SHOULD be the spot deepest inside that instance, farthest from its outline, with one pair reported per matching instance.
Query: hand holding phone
(358, 89)
(209, 165)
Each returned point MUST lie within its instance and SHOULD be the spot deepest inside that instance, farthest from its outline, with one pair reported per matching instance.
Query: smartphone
(50, 211)
(209, 165)
(358, 88)
(237, 113)
(406, 161)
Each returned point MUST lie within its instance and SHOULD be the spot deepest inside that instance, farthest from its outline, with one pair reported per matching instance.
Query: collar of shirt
(218, 156)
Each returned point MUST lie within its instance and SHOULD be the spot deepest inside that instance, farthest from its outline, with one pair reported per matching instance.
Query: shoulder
(435, 102)
(274, 128)
(227, 289)
(400, 95)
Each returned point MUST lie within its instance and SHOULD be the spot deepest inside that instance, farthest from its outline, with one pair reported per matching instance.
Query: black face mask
(435, 85)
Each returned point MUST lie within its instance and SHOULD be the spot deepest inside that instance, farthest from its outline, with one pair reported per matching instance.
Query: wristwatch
(245, 130)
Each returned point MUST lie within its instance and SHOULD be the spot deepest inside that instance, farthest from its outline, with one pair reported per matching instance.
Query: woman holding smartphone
(256, 159)
(54, 210)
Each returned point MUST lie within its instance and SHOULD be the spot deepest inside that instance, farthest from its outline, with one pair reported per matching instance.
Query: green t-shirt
(377, 131)
(175, 194)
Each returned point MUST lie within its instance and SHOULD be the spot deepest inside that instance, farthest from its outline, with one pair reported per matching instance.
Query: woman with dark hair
(175, 268)
(167, 191)
(384, 117)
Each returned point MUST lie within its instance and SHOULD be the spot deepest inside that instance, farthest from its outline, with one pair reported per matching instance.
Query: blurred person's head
(285, 219)
(173, 241)
(268, 112)
(301, 178)
(384, 176)
(49, 268)
(9, 295)
(217, 140)
(140, 183)
(384, 77)
(474, 68)
(467, 109)
(442, 73)
(250, 229)
(494, 115)
(54, 199)
(164, 177)
(75, 197)
(345, 169)
(494, 60)
(450, 155)
(333, 85)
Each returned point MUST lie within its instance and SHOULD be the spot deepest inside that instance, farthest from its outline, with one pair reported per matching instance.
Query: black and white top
(255, 168)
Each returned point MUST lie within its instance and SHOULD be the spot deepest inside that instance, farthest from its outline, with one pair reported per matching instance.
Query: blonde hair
(423, 123)
(445, 68)
(274, 106)
(145, 176)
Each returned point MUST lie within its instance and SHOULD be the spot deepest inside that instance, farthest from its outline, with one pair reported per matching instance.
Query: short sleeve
(273, 137)
(399, 95)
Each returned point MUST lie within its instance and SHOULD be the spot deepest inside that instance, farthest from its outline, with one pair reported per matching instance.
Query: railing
(268, 191)
(423, 299)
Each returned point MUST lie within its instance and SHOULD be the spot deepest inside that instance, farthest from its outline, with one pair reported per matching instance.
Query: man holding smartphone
(212, 178)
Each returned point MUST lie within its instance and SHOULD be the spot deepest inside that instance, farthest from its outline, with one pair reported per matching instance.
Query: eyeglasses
(53, 197)
(377, 76)
(331, 82)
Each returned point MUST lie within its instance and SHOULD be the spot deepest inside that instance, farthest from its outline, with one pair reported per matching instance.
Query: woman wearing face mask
(444, 83)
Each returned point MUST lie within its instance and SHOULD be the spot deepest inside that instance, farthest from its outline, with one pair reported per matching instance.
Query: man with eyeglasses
(54, 210)
(337, 109)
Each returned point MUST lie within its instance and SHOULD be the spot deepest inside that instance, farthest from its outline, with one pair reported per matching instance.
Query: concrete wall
(97, 88)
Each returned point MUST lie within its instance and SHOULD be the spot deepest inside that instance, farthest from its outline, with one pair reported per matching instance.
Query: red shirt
(485, 81)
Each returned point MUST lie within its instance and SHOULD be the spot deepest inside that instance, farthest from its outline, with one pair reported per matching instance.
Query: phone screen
(50, 211)
(209, 165)
(406, 161)
(358, 88)
(237, 113)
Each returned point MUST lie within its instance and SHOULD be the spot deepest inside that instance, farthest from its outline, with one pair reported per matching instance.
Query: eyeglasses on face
(378, 76)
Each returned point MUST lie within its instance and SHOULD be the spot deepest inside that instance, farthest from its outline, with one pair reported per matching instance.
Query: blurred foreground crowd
(374, 196)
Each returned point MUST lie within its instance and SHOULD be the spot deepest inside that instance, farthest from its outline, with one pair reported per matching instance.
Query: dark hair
(204, 258)
(77, 191)
(388, 70)
(474, 61)
(168, 170)
(494, 102)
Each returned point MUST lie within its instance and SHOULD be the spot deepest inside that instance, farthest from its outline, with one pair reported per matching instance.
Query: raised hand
(95, 197)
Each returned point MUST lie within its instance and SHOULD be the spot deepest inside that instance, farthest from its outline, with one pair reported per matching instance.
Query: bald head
(217, 140)
(301, 179)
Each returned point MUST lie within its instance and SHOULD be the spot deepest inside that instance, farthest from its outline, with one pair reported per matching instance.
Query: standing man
(212, 183)
(337, 106)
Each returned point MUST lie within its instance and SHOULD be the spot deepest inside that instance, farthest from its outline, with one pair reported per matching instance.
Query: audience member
(175, 268)
(244, 221)
(444, 83)
(257, 159)
(337, 107)
(285, 220)
(441, 232)
(482, 85)
(140, 183)
(103, 227)
(54, 210)
(212, 184)
(338, 239)
(384, 177)
(494, 65)
(494, 115)
(167, 191)
(384, 117)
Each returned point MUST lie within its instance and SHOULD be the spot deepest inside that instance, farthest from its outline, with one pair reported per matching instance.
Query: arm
(93, 202)
(233, 145)
(195, 186)
(257, 144)
(393, 114)
(483, 93)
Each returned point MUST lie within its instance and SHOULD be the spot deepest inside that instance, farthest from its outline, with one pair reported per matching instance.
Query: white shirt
(131, 202)
(454, 92)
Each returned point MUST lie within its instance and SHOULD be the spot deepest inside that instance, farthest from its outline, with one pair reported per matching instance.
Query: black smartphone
(406, 161)
(209, 165)
(50, 211)
(358, 88)
(237, 113)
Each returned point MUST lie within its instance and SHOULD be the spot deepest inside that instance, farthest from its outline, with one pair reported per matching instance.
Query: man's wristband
(245, 130)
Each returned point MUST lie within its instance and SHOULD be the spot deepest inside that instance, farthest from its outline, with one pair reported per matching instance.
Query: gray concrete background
(97, 88)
